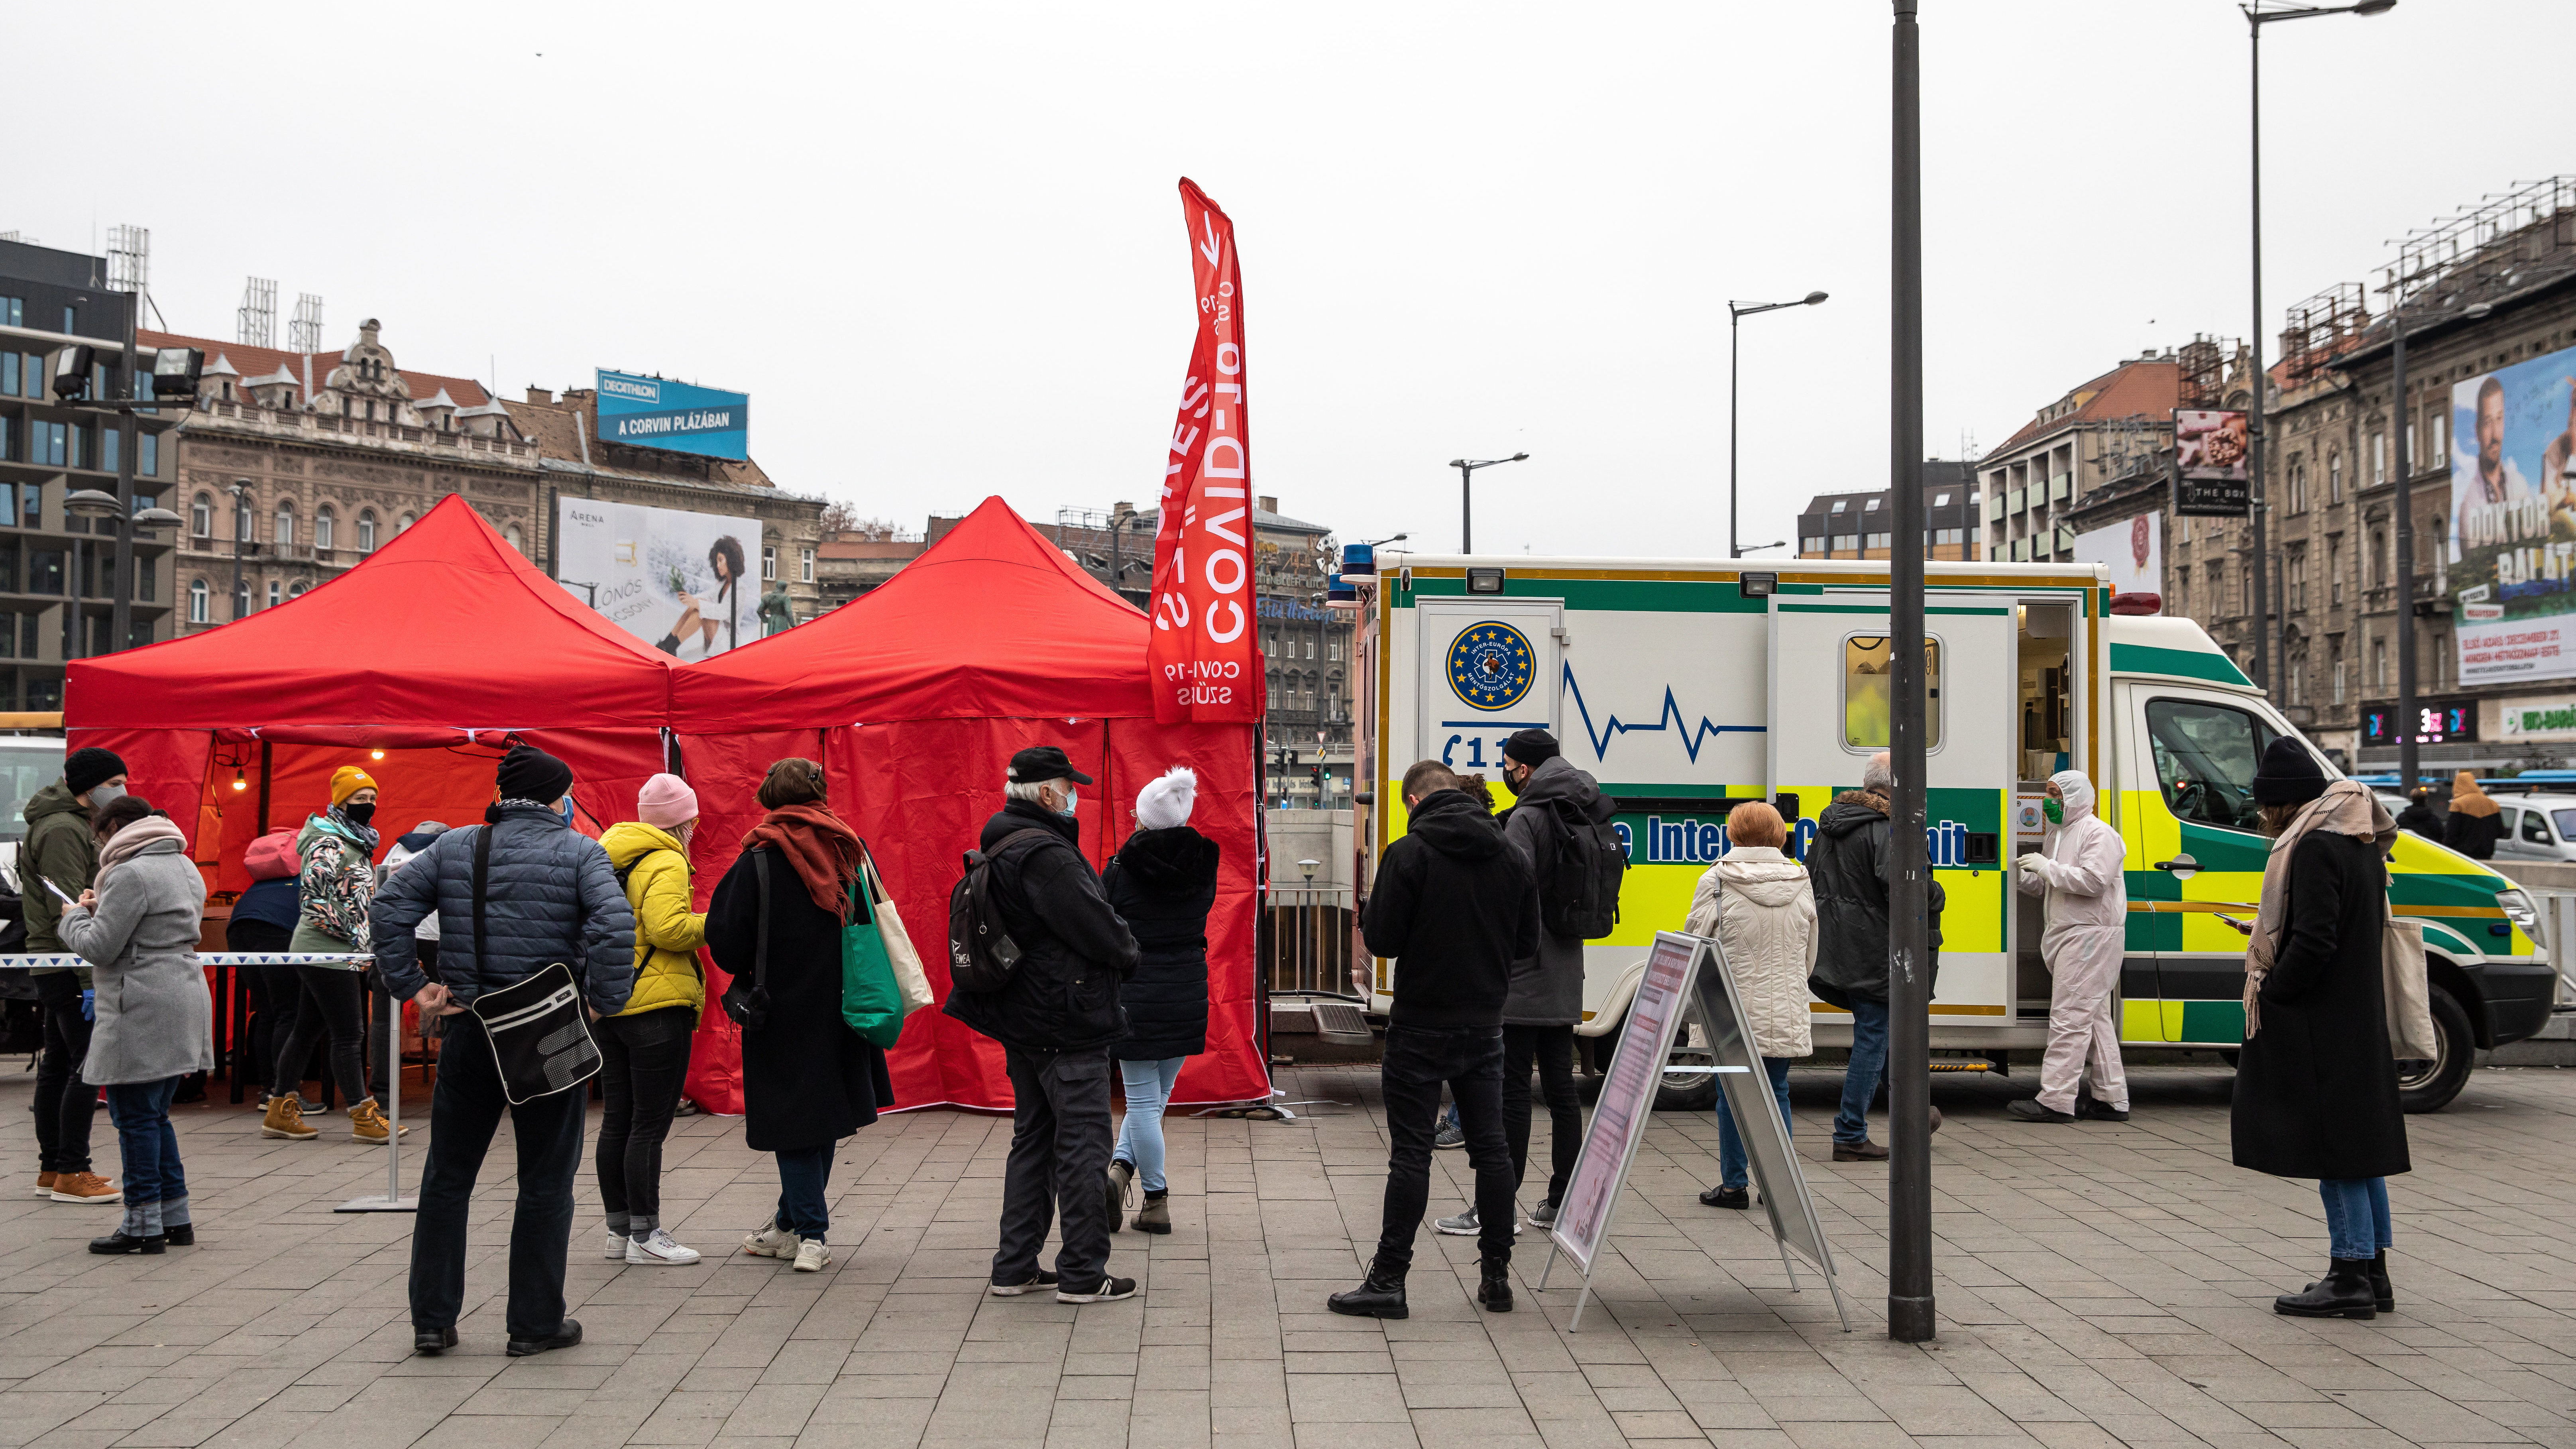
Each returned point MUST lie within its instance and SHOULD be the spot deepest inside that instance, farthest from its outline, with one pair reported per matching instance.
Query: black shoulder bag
(749, 1005)
(538, 1031)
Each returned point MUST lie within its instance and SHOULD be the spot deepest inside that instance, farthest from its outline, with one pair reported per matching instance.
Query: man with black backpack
(1560, 824)
(1035, 964)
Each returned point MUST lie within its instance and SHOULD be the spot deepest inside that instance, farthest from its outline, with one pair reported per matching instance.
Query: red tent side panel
(920, 792)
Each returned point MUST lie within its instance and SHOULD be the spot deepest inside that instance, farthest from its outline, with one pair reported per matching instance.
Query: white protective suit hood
(2076, 793)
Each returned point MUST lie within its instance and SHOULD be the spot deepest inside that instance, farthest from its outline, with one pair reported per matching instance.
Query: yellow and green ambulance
(1686, 687)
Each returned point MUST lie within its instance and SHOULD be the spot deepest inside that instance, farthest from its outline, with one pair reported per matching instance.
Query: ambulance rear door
(1829, 711)
(1488, 667)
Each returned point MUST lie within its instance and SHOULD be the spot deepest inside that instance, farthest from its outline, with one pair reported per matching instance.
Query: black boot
(2379, 1286)
(1380, 1295)
(118, 1243)
(1495, 1291)
(2343, 1293)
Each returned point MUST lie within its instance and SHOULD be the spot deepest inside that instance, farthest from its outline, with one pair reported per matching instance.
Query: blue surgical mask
(1071, 798)
(566, 810)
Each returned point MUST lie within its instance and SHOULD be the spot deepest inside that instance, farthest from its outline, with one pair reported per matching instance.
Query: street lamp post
(2268, 631)
(241, 533)
(1466, 504)
(1736, 312)
(90, 505)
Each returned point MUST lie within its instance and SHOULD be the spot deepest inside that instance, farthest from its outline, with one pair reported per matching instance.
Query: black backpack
(981, 953)
(1578, 890)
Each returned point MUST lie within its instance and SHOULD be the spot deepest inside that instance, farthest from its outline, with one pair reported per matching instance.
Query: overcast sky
(940, 245)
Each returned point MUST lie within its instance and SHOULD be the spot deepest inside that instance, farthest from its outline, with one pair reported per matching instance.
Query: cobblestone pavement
(2098, 1285)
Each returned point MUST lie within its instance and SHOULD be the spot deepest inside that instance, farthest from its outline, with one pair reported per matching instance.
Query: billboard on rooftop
(655, 412)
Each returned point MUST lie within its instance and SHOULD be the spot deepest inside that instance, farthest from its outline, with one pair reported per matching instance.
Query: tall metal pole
(120, 609)
(1910, 1317)
(2406, 721)
(1734, 362)
(1466, 509)
(2261, 562)
(241, 529)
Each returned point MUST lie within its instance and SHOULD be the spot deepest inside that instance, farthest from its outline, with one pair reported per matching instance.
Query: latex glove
(2033, 863)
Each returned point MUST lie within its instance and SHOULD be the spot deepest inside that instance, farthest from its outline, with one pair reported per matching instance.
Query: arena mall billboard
(675, 580)
(655, 412)
(2512, 550)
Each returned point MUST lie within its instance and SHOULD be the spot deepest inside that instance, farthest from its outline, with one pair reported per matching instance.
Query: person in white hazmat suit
(2078, 868)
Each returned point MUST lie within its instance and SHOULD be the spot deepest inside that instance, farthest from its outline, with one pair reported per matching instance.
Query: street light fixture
(1736, 312)
(1466, 503)
(88, 503)
(2265, 627)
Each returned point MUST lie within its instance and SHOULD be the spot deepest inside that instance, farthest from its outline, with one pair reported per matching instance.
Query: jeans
(463, 1114)
(1730, 1148)
(328, 1002)
(64, 1102)
(1140, 1135)
(1059, 1161)
(803, 1207)
(1868, 1067)
(1416, 1061)
(2356, 1216)
(156, 1188)
(1552, 1049)
(643, 1060)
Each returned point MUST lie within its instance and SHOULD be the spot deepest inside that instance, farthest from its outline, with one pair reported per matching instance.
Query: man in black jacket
(1848, 862)
(1056, 1018)
(1455, 906)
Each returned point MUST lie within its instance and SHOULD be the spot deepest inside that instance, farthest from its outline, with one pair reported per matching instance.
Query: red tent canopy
(434, 649)
(915, 696)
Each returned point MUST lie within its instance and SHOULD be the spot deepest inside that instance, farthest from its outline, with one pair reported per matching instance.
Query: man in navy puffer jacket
(549, 895)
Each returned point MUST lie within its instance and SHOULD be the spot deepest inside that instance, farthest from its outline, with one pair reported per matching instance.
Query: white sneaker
(771, 1241)
(659, 1248)
(615, 1248)
(1467, 1225)
(812, 1255)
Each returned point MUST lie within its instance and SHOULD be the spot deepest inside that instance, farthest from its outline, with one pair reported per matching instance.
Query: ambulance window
(2205, 759)
(1865, 692)
(2535, 828)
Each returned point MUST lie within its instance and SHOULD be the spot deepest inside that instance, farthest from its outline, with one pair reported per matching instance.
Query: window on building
(297, 592)
(13, 311)
(45, 571)
(1880, 540)
(2379, 664)
(2298, 484)
(1838, 504)
(1811, 543)
(2378, 558)
(111, 449)
(768, 561)
(199, 595)
(2438, 428)
(2334, 571)
(147, 455)
(241, 519)
(366, 530)
(71, 321)
(2378, 459)
(1870, 507)
(1940, 500)
(2334, 475)
(2334, 661)
(9, 373)
(1310, 646)
(402, 524)
(49, 444)
(326, 527)
(2299, 680)
(276, 593)
(2441, 659)
(517, 540)
(805, 564)
(2296, 566)
(285, 523)
(241, 599)
(8, 440)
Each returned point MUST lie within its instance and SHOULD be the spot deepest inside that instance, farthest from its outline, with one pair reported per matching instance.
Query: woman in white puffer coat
(1758, 903)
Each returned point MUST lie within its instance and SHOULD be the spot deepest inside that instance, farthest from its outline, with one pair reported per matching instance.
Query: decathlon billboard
(655, 412)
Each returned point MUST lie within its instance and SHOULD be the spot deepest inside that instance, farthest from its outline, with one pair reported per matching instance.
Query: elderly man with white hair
(2079, 870)
(1849, 864)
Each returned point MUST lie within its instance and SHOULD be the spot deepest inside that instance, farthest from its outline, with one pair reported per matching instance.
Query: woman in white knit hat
(1163, 880)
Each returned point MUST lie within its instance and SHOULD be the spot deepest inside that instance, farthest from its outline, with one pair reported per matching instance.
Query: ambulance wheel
(2429, 1086)
(1688, 1091)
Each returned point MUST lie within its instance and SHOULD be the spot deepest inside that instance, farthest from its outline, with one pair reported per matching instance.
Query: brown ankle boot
(367, 1123)
(1156, 1215)
(286, 1119)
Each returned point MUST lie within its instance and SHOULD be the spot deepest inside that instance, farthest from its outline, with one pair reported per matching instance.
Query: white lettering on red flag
(1203, 654)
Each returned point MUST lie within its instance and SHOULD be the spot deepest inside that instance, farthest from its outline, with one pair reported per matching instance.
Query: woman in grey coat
(137, 928)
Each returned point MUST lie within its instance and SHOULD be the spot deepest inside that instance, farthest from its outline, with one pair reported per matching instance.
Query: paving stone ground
(2098, 1285)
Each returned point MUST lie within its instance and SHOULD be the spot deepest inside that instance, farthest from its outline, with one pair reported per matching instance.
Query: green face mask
(2055, 810)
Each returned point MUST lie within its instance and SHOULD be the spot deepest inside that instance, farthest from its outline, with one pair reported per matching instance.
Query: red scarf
(824, 851)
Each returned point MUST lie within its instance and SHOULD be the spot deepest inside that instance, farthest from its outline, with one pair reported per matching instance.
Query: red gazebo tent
(915, 696)
(419, 664)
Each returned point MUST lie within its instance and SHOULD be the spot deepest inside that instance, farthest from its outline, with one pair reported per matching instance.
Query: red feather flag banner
(1202, 655)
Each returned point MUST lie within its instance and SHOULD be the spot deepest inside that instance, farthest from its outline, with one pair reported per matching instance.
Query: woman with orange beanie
(338, 847)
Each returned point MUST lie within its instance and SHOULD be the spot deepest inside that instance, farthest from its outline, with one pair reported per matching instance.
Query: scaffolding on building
(2205, 363)
(304, 334)
(2321, 329)
(129, 264)
(2489, 247)
(256, 323)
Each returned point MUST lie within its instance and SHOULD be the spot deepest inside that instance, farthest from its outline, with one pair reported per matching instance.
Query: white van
(1688, 686)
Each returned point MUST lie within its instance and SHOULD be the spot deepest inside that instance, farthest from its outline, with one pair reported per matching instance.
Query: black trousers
(643, 1060)
(1416, 1061)
(1552, 1048)
(64, 1103)
(1059, 1165)
(463, 1114)
(329, 1003)
(276, 998)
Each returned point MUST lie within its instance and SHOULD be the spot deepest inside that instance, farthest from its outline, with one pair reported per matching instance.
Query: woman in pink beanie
(644, 1049)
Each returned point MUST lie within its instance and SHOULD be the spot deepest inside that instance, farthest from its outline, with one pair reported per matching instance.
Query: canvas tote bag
(909, 977)
(2411, 1037)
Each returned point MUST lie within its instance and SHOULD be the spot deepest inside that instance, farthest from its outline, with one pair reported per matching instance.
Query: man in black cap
(549, 895)
(1056, 1018)
(59, 850)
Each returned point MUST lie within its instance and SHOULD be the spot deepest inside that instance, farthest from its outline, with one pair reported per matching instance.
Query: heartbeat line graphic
(1670, 719)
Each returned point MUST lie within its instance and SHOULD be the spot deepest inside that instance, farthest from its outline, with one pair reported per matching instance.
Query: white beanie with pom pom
(1166, 802)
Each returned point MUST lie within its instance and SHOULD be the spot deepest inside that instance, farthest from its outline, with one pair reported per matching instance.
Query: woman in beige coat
(1759, 905)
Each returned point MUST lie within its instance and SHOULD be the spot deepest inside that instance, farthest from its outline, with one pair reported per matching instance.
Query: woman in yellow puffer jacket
(645, 1048)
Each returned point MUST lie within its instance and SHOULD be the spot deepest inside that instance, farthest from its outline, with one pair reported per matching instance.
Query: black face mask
(359, 815)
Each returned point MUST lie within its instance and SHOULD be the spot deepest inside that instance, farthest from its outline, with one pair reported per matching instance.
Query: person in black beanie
(548, 895)
(60, 848)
